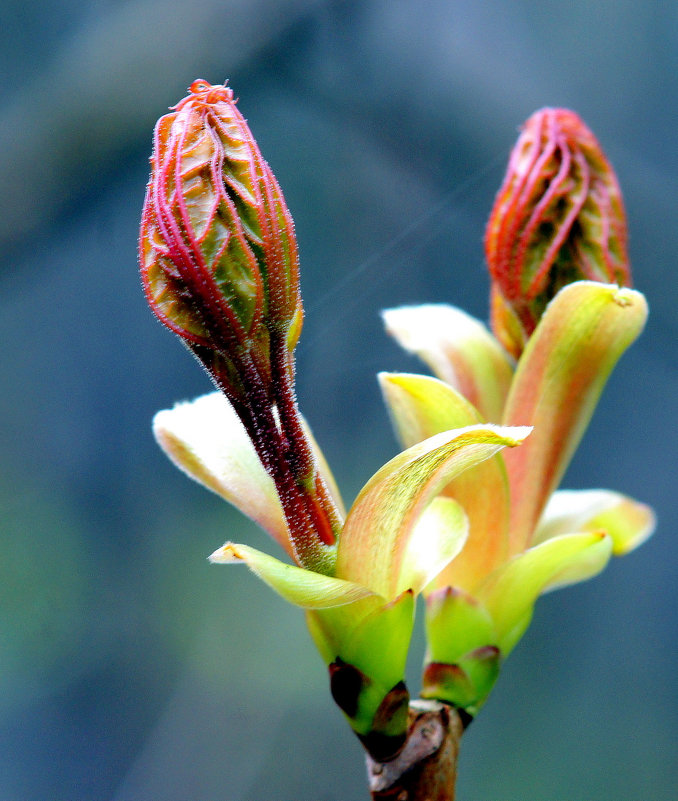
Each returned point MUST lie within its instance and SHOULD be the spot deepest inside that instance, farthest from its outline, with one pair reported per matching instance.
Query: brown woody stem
(426, 767)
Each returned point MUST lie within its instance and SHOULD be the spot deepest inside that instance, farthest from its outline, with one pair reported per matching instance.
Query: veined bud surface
(218, 254)
(557, 218)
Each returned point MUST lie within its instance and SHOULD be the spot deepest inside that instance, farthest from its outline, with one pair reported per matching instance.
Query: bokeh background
(130, 669)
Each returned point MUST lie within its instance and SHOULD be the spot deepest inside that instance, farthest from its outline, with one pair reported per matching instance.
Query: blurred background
(130, 669)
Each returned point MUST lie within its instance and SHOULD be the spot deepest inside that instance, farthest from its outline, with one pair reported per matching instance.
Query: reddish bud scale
(557, 218)
(218, 255)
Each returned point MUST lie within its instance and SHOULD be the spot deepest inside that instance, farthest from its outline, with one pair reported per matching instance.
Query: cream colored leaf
(628, 522)
(460, 351)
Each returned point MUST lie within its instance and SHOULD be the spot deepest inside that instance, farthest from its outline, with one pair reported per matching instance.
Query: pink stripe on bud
(558, 217)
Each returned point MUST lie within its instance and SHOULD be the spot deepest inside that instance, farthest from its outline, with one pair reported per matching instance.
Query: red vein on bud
(555, 188)
(557, 218)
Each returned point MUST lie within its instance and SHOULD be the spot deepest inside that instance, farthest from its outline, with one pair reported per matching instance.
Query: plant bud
(218, 253)
(558, 218)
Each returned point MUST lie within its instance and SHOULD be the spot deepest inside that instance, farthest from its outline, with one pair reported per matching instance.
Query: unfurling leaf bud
(217, 248)
(558, 218)
(220, 268)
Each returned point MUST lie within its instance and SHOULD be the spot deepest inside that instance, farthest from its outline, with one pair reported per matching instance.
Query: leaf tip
(228, 554)
(516, 435)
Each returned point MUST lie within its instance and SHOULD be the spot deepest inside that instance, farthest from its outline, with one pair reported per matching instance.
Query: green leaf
(510, 592)
(628, 522)
(375, 547)
(456, 623)
(460, 351)
(558, 381)
(370, 634)
(372, 637)
(466, 683)
(421, 406)
(295, 584)
(462, 660)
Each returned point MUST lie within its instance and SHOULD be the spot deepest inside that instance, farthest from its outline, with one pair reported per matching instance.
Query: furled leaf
(628, 522)
(421, 406)
(218, 254)
(558, 218)
(375, 545)
(459, 349)
(558, 381)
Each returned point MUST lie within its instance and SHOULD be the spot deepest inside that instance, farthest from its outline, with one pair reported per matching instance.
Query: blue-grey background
(130, 669)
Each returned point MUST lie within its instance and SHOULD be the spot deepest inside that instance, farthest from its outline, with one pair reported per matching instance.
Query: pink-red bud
(219, 266)
(558, 218)
(218, 253)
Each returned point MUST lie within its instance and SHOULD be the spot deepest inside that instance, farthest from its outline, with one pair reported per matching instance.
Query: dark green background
(132, 670)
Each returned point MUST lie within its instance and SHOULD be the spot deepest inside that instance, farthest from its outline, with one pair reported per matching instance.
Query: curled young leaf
(509, 594)
(558, 381)
(460, 351)
(376, 539)
(421, 406)
(629, 523)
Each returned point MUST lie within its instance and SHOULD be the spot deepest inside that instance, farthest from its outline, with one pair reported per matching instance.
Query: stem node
(426, 767)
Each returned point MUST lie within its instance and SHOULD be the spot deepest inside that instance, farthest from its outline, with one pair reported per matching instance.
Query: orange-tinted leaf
(558, 381)
(377, 536)
(421, 406)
